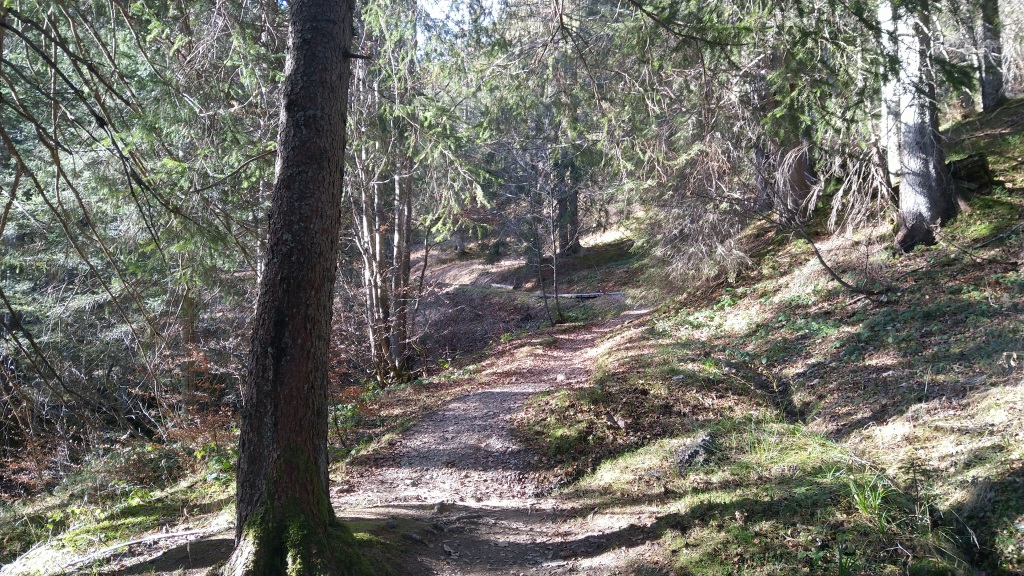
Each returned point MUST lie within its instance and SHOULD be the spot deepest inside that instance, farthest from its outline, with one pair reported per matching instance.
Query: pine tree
(285, 522)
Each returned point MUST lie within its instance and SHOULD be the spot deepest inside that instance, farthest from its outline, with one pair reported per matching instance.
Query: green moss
(297, 548)
(989, 216)
(343, 556)
(296, 538)
(931, 567)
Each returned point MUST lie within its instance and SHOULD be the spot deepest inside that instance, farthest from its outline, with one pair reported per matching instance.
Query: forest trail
(470, 500)
(455, 493)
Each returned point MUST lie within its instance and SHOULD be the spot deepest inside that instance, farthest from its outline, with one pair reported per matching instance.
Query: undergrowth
(845, 434)
(134, 488)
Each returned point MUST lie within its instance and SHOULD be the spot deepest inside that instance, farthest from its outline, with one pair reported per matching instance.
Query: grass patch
(135, 489)
(775, 498)
(852, 435)
(988, 217)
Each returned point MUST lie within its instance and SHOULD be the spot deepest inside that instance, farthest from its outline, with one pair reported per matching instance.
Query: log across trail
(469, 500)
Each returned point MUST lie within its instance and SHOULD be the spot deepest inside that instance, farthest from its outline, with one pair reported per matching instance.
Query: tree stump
(971, 175)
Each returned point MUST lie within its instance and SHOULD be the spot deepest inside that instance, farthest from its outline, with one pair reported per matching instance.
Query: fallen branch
(997, 237)
(104, 552)
(835, 275)
(583, 296)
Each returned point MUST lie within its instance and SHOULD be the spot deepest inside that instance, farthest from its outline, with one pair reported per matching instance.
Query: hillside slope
(775, 424)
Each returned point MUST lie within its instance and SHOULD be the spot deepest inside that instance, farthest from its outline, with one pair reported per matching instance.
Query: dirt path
(456, 489)
(470, 500)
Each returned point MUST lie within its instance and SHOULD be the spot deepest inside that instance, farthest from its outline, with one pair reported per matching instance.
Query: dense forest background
(137, 159)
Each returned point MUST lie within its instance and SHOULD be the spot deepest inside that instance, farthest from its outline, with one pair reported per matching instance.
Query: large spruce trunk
(926, 191)
(285, 523)
(993, 93)
(889, 125)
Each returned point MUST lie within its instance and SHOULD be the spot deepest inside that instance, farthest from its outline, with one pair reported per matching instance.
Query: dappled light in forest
(524, 287)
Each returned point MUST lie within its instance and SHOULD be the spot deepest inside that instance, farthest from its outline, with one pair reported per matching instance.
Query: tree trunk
(783, 168)
(402, 265)
(889, 125)
(569, 220)
(188, 316)
(926, 192)
(285, 523)
(991, 57)
(375, 282)
(567, 175)
(402, 243)
(459, 237)
(553, 228)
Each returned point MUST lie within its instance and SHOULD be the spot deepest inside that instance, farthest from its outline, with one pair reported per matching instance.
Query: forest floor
(454, 493)
(769, 424)
(470, 498)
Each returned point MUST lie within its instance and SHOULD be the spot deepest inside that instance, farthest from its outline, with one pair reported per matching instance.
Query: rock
(414, 537)
(696, 452)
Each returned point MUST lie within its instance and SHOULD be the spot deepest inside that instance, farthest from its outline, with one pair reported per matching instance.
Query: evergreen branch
(675, 31)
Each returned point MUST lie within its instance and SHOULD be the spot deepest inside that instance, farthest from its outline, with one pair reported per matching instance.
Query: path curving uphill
(468, 498)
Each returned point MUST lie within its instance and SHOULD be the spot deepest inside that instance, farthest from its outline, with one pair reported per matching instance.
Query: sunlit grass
(901, 448)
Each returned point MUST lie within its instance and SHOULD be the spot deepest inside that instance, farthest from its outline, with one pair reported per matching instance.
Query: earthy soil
(455, 493)
(468, 498)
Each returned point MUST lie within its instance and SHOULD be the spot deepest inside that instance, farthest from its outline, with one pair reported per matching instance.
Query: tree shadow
(465, 541)
(195, 555)
(990, 522)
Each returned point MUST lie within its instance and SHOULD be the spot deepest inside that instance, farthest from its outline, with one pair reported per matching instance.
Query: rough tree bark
(926, 191)
(991, 57)
(889, 126)
(568, 202)
(285, 523)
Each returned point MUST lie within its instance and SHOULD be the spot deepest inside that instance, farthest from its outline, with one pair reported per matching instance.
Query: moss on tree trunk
(297, 547)
(284, 523)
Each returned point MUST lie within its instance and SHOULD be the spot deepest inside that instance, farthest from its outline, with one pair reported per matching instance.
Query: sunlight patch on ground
(653, 461)
(42, 560)
(608, 236)
(972, 442)
(625, 560)
(739, 321)
(1001, 406)
(462, 272)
